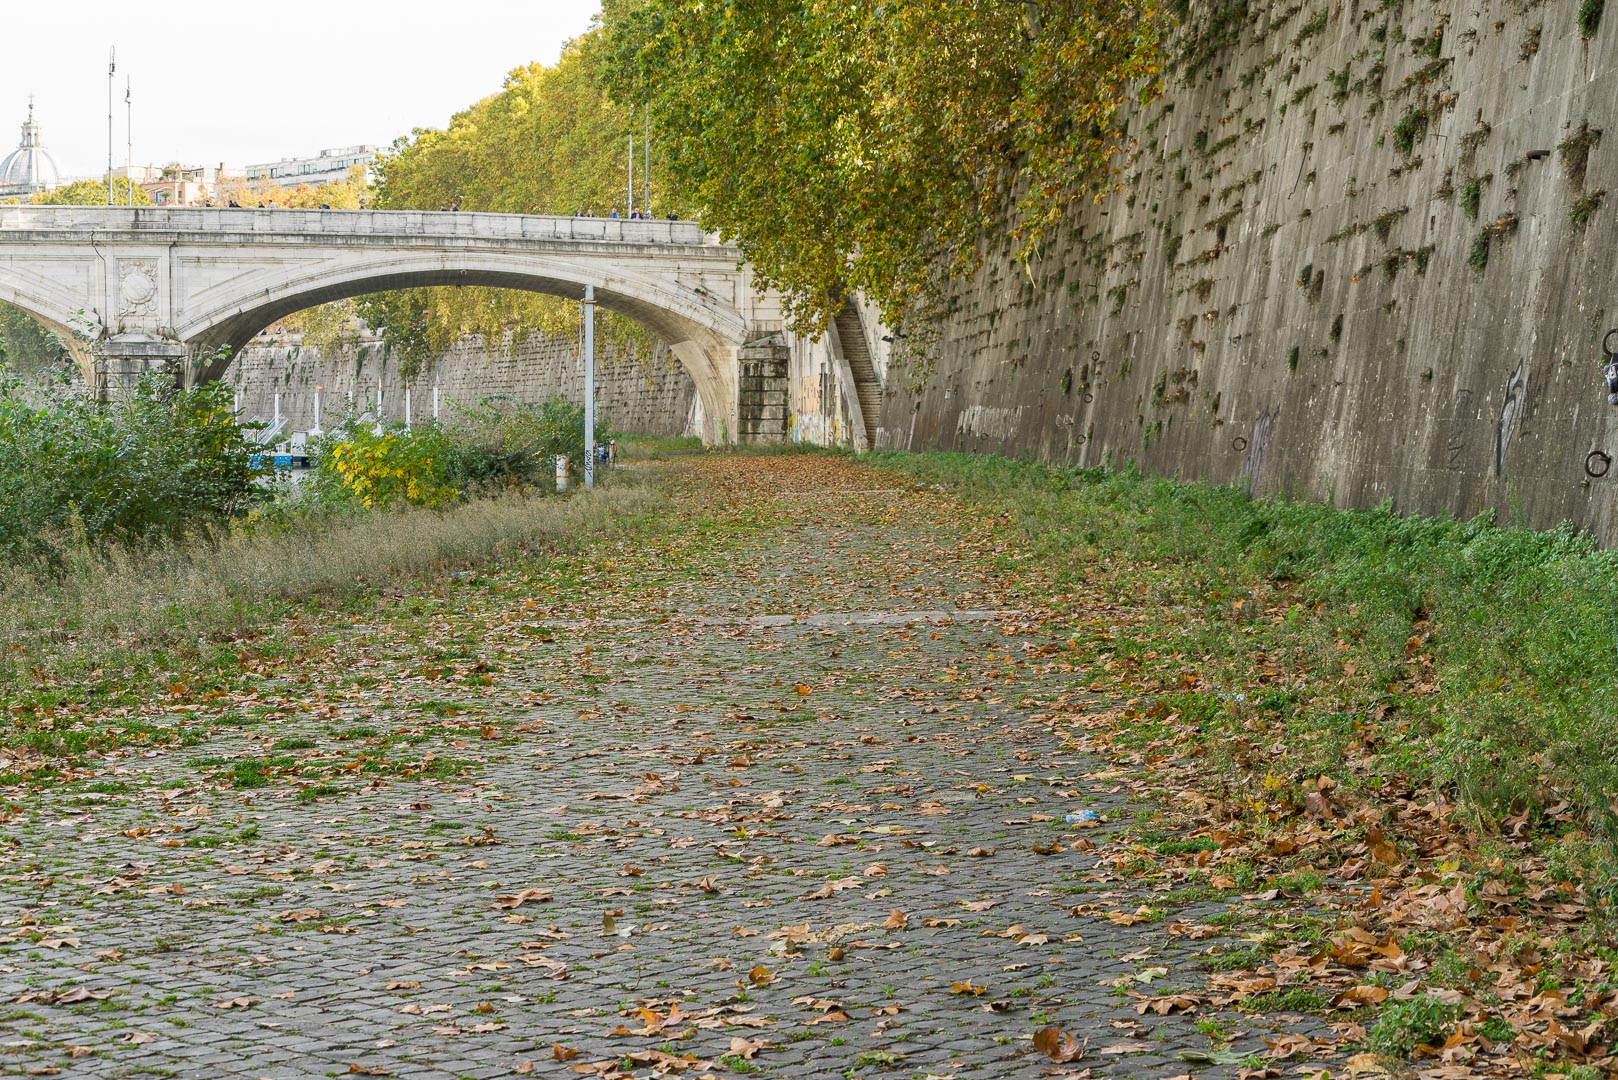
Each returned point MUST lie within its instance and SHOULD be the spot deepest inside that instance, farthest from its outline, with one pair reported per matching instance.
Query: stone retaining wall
(1361, 252)
(637, 392)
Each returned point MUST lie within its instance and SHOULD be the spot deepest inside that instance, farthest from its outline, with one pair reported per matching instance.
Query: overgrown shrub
(496, 445)
(158, 464)
(383, 466)
(505, 443)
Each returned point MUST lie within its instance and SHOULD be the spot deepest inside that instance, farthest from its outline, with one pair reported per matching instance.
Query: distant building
(330, 166)
(29, 169)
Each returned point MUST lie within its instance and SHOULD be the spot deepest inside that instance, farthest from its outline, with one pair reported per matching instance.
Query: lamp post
(112, 70)
(589, 387)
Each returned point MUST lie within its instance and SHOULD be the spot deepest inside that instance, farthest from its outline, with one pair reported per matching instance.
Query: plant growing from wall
(1585, 208)
(1472, 196)
(1410, 129)
(1575, 153)
(1590, 17)
(1478, 257)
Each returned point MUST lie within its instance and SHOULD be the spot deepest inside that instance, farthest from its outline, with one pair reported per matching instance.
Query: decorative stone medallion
(138, 287)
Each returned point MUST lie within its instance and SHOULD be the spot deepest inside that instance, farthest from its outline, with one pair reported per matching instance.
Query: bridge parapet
(227, 223)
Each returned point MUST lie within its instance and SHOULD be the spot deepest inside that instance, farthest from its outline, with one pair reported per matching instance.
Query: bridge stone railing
(377, 224)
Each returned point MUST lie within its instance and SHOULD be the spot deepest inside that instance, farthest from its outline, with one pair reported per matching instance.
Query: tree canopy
(862, 146)
(550, 142)
(92, 193)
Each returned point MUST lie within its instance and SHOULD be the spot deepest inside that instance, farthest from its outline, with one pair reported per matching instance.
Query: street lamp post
(589, 387)
(112, 70)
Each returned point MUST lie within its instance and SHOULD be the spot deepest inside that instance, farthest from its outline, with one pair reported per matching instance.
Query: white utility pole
(631, 208)
(590, 386)
(646, 180)
(112, 69)
(129, 134)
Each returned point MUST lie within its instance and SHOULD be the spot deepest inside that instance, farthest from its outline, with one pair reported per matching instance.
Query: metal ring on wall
(1238, 444)
(1608, 343)
(1094, 357)
(1597, 463)
(1088, 397)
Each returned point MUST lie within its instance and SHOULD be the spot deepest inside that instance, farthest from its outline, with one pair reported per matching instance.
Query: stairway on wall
(857, 351)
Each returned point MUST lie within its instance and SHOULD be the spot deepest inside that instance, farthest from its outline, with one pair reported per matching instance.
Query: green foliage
(1478, 257)
(1472, 197)
(1585, 208)
(864, 145)
(1409, 131)
(1590, 17)
(1519, 710)
(504, 443)
(93, 193)
(1402, 1026)
(1316, 25)
(380, 467)
(496, 445)
(156, 465)
(26, 347)
(1575, 152)
(550, 142)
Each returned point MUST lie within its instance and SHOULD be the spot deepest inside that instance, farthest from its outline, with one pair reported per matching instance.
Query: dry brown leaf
(746, 1048)
(1364, 994)
(1058, 1045)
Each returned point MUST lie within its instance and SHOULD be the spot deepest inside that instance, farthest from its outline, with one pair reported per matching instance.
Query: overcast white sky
(250, 83)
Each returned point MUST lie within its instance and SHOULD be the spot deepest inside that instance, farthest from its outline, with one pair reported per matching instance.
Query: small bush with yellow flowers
(379, 467)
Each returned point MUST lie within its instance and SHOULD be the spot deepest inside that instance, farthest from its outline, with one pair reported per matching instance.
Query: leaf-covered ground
(771, 782)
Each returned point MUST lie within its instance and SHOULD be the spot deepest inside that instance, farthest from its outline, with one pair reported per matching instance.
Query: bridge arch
(57, 311)
(700, 330)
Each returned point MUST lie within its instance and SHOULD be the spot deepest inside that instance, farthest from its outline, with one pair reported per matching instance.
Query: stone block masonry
(762, 411)
(639, 390)
(1359, 253)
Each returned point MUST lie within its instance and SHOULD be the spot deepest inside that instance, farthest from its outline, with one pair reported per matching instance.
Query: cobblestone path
(770, 787)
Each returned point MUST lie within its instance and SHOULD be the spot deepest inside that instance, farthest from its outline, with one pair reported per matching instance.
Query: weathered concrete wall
(639, 393)
(1289, 289)
(821, 387)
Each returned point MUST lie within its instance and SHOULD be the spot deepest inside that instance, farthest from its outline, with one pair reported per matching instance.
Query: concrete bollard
(561, 472)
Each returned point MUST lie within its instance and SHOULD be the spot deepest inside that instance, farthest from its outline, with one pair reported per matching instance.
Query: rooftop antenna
(112, 69)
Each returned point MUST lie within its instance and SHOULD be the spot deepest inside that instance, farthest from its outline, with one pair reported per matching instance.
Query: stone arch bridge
(133, 289)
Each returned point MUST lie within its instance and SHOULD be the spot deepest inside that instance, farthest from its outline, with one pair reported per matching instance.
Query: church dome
(29, 168)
